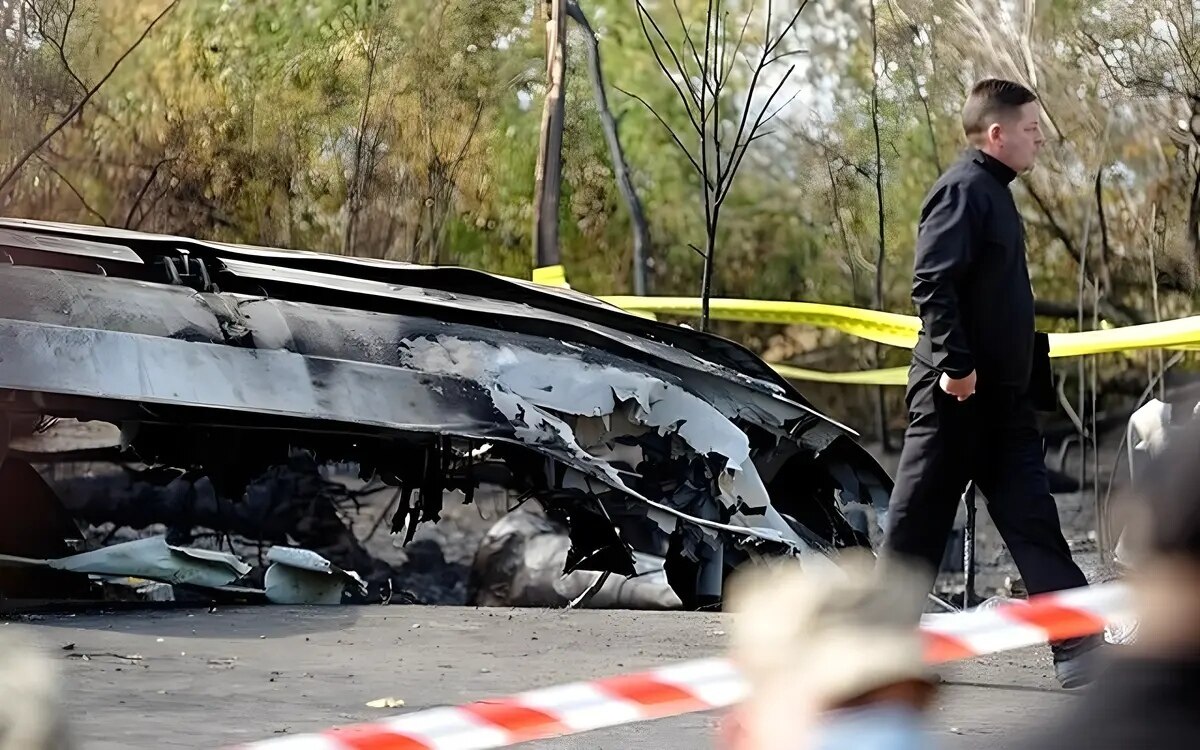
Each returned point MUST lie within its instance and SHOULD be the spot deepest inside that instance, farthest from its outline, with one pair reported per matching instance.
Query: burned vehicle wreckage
(227, 366)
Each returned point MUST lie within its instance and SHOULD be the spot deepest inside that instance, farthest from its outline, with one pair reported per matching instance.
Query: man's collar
(993, 166)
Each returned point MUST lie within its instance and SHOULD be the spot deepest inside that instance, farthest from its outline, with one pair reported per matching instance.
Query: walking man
(970, 411)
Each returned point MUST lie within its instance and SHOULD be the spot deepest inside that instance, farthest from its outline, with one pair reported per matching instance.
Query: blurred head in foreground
(1163, 516)
(32, 713)
(832, 656)
(1147, 697)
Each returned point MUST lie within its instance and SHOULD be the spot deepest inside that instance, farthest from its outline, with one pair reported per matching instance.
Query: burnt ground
(210, 679)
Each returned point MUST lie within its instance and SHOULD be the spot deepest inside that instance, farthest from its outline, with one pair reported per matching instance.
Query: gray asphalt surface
(211, 679)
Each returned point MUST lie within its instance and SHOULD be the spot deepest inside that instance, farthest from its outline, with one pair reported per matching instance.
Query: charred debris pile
(235, 377)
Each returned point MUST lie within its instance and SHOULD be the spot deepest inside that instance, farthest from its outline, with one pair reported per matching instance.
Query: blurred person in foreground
(32, 712)
(971, 392)
(1149, 696)
(833, 658)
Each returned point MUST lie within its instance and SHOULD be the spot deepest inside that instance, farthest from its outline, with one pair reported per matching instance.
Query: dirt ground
(210, 679)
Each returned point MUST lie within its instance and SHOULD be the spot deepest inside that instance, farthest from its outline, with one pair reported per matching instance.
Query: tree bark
(641, 229)
(548, 173)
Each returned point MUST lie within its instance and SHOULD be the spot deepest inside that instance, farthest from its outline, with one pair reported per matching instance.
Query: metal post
(969, 546)
(548, 170)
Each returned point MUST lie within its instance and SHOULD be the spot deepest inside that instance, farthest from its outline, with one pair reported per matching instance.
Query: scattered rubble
(521, 563)
(295, 576)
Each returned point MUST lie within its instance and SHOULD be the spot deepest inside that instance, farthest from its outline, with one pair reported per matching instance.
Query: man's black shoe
(1077, 662)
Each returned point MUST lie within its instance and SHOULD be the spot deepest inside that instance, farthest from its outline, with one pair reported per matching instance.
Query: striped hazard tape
(702, 685)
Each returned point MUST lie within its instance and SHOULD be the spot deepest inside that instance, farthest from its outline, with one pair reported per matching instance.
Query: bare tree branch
(779, 109)
(736, 161)
(782, 55)
(737, 47)
(149, 209)
(59, 44)
(145, 187)
(1052, 219)
(716, 168)
(466, 144)
(750, 96)
(710, 218)
(689, 99)
(670, 131)
(837, 212)
(687, 36)
(83, 201)
(829, 151)
(787, 28)
(24, 158)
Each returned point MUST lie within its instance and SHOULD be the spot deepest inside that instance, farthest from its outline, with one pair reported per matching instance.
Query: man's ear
(993, 132)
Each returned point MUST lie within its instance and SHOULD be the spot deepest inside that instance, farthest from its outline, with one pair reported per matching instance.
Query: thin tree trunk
(1194, 211)
(710, 242)
(1156, 238)
(357, 186)
(1081, 370)
(881, 404)
(548, 173)
(641, 229)
(851, 261)
(1105, 274)
(141, 195)
(712, 197)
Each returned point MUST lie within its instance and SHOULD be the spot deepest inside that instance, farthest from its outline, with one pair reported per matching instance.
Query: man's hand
(962, 389)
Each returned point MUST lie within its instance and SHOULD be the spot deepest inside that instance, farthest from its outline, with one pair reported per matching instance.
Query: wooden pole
(548, 174)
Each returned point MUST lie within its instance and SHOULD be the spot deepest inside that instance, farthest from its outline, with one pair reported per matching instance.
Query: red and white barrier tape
(698, 685)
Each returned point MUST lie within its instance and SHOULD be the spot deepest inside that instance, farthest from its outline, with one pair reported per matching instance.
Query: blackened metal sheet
(452, 279)
(529, 319)
(81, 300)
(49, 243)
(43, 358)
(126, 305)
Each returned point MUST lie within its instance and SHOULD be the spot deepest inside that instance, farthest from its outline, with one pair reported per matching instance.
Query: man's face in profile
(1016, 141)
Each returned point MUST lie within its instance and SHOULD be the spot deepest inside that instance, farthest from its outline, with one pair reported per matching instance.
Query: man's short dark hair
(991, 100)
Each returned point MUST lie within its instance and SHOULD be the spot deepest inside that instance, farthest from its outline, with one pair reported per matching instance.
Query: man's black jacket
(970, 279)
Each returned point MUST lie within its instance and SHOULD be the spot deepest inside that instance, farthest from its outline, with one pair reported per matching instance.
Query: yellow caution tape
(888, 328)
(1183, 333)
(895, 329)
(892, 329)
(889, 376)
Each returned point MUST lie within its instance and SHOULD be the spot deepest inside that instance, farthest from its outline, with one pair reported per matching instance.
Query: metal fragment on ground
(300, 576)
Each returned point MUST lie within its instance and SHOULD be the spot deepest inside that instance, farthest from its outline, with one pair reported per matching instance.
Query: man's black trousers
(993, 438)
